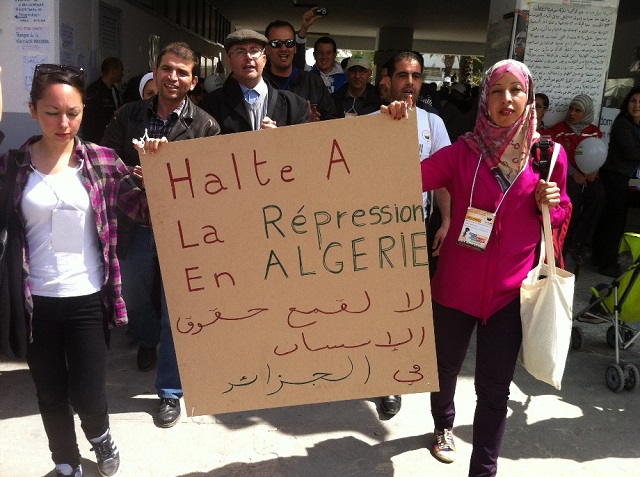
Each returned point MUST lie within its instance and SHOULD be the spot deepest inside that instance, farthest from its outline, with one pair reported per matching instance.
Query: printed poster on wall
(568, 52)
(294, 263)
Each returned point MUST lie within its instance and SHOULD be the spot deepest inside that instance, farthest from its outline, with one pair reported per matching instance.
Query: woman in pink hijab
(490, 175)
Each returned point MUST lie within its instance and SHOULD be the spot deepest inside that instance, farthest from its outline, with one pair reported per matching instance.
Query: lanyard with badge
(67, 221)
(478, 223)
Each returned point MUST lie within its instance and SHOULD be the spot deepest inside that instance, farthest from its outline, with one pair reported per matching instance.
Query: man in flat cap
(246, 102)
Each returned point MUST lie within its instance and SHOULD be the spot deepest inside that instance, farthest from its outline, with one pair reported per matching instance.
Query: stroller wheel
(615, 378)
(576, 338)
(611, 336)
(632, 377)
(628, 336)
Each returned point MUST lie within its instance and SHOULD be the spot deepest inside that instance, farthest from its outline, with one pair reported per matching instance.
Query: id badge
(350, 115)
(67, 230)
(476, 229)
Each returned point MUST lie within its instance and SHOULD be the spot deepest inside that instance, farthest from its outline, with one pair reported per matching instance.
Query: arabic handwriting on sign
(343, 308)
(218, 316)
(315, 377)
(189, 323)
(411, 380)
(396, 344)
(283, 353)
(408, 309)
(243, 382)
(309, 348)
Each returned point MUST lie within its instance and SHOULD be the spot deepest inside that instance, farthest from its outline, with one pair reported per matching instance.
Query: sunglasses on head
(46, 68)
(290, 43)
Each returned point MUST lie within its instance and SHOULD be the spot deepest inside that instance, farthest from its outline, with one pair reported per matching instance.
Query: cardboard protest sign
(294, 263)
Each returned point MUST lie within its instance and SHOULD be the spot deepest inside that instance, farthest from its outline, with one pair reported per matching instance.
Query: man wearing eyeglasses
(168, 116)
(246, 102)
(280, 72)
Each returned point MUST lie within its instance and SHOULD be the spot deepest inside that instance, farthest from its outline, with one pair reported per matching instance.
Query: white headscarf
(143, 82)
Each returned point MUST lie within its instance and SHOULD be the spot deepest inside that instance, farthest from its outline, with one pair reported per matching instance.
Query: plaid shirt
(109, 185)
(158, 127)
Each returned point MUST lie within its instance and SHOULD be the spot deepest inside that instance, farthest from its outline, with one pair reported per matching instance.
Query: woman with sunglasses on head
(66, 195)
(477, 286)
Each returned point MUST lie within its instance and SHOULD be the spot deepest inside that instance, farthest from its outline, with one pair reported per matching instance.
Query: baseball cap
(359, 60)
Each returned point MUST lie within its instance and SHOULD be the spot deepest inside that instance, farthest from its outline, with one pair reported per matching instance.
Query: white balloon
(591, 154)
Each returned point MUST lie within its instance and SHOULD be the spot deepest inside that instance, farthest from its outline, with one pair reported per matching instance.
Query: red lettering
(182, 238)
(257, 163)
(187, 272)
(187, 178)
(286, 170)
(332, 161)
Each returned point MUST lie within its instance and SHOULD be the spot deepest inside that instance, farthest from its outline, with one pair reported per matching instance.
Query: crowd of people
(90, 260)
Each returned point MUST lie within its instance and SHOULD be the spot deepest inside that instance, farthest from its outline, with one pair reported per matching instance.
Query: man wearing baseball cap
(357, 96)
(246, 102)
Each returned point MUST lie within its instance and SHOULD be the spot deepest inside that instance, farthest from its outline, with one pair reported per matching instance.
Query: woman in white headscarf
(147, 86)
(584, 189)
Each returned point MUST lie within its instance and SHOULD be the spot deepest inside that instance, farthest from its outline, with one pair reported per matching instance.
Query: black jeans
(497, 347)
(613, 219)
(68, 363)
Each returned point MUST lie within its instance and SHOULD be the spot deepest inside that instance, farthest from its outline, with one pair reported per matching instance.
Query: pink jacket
(481, 283)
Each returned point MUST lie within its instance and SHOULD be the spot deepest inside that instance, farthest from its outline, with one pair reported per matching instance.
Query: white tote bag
(546, 303)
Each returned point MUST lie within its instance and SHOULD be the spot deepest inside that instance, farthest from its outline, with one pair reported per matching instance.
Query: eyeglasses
(290, 43)
(253, 53)
(46, 68)
(541, 106)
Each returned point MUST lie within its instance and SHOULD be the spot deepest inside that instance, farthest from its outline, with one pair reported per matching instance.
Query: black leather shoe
(391, 404)
(146, 358)
(169, 412)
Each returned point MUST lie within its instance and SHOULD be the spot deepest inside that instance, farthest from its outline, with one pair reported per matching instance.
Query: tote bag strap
(546, 243)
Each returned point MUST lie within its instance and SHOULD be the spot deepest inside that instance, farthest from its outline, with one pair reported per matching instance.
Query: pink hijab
(488, 139)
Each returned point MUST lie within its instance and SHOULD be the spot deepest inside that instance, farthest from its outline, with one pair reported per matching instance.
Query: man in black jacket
(357, 96)
(168, 116)
(280, 72)
(246, 102)
(103, 99)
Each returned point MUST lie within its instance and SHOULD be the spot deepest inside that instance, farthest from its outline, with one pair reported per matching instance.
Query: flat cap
(244, 36)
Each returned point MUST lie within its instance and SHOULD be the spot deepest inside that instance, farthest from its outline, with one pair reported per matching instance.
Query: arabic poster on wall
(568, 52)
(294, 263)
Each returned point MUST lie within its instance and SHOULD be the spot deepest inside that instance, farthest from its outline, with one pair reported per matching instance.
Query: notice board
(294, 263)
(568, 52)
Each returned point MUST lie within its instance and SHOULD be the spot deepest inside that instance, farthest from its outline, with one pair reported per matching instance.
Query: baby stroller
(618, 303)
